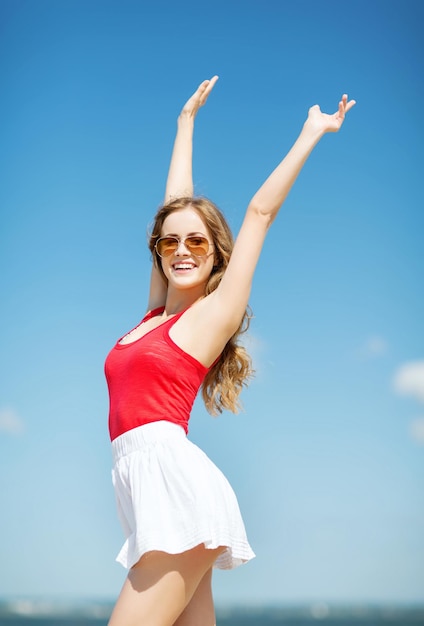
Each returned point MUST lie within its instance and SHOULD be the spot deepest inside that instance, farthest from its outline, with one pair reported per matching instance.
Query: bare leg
(160, 586)
(200, 610)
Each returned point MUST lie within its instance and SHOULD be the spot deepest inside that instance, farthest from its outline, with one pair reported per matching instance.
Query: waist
(141, 436)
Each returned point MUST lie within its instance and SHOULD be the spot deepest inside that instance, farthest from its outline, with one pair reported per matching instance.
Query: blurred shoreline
(81, 612)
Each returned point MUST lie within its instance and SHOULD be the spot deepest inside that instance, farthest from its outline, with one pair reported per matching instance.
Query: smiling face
(182, 268)
(212, 224)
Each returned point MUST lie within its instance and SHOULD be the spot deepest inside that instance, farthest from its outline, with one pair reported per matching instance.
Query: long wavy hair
(225, 380)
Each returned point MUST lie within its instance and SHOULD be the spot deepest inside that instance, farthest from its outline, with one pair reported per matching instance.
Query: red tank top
(151, 379)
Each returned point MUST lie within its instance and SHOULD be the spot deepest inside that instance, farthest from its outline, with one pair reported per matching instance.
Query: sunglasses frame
(183, 240)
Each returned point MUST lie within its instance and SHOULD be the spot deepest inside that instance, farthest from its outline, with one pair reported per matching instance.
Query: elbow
(261, 213)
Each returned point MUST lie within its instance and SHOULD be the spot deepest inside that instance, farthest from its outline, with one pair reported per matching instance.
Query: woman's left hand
(325, 123)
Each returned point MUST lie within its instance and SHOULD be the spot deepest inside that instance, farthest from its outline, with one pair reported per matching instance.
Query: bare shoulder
(200, 330)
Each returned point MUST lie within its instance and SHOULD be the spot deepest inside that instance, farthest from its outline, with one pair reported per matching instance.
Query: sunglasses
(195, 244)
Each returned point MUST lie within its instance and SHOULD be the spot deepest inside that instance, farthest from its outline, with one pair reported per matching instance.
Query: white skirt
(171, 497)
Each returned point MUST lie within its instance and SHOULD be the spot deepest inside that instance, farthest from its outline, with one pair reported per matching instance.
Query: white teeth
(183, 266)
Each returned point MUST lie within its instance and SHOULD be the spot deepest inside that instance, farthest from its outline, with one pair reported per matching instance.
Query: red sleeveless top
(151, 379)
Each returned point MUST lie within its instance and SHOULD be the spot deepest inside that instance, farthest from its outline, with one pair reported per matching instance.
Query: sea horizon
(17, 611)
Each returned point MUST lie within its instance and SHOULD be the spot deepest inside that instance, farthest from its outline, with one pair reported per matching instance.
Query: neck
(179, 300)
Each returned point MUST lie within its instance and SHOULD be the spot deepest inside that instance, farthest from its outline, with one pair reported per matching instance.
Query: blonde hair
(226, 378)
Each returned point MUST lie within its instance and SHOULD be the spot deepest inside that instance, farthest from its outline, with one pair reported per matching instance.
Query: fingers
(347, 105)
(205, 89)
(213, 80)
(199, 97)
(344, 107)
(207, 85)
(201, 94)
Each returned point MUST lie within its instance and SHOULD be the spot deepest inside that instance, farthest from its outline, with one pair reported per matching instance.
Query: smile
(183, 267)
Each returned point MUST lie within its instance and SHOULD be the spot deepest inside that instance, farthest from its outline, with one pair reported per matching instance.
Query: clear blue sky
(328, 457)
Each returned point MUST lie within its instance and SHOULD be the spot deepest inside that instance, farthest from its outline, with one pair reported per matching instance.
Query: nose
(184, 251)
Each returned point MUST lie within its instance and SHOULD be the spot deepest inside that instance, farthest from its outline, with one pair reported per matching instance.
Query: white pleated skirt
(171, 497)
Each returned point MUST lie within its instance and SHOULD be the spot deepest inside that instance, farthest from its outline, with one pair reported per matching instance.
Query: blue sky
(328, 457)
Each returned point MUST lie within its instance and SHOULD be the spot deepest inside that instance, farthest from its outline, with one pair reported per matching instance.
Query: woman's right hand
(198, 99)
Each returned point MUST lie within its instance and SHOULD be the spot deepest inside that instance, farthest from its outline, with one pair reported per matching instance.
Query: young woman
(179, 513)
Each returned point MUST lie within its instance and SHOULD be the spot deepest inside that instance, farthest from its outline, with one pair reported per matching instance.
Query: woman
(179, 513)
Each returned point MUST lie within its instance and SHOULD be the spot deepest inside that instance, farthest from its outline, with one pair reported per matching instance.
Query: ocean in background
(29, 613)
(241, 621)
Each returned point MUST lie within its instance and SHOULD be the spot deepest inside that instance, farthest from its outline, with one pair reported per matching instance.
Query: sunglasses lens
(166, 246)
(198, 246)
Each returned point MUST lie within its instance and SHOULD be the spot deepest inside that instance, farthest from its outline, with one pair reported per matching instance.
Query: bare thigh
(200, 610)
(160, 586)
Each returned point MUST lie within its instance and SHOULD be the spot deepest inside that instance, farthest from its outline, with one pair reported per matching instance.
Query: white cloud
(409, 380)
(416, 428)
(373, 347)
(10, 422)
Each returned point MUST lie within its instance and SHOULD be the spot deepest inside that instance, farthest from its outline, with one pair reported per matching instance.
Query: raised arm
(180, 176)
(269, 198)
(233, 292)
